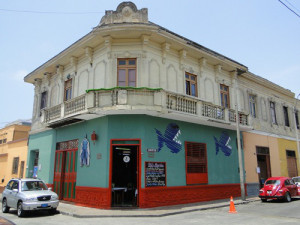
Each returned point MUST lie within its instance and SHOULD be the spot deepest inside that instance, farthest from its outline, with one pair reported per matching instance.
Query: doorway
(291, 163)
(263, 162)
(124, 176)
(65, 170)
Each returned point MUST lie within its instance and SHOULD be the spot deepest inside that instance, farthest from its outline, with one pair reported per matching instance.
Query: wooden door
(65, 174)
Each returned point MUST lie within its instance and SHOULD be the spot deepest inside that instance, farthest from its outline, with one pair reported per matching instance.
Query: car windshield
(33, 185)
(272, 182)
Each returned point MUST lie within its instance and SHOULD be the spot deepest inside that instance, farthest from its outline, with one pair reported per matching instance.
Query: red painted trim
(50, 186)
(138, 164)
(195, 178)
(67, 150)
(165, 196)
(93, 197)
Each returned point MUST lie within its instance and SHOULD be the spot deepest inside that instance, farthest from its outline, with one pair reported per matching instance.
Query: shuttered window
(196, 163)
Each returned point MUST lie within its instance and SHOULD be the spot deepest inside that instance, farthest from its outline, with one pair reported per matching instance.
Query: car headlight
(54, 197)
(30, 199)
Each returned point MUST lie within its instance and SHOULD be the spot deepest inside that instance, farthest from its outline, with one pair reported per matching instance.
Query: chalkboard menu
(155, 174)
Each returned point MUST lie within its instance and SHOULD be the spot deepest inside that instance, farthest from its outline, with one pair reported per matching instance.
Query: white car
(27, 195)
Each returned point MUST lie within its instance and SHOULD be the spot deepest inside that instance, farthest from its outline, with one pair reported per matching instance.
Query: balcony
(156, 102)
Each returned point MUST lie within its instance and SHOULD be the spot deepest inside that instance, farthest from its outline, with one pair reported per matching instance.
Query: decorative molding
(182, 57)
(107, 43)
(126, 12)
(89, 54)
(165, 49)
(74, 63)
(59, 70)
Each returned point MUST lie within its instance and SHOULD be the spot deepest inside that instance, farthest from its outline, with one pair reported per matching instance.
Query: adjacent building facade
(13, 151)
(133, 114)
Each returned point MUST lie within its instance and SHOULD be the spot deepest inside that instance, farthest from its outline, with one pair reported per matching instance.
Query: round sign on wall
(126, 158)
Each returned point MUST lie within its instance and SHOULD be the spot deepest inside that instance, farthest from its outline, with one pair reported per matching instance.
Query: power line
(46, 12)
(298, 11)
(289, 8)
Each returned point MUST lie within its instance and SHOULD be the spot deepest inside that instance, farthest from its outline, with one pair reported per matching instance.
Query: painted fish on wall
(170, 138)
(223, 143)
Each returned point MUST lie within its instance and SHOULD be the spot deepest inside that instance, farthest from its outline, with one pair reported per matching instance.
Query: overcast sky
(262, 35)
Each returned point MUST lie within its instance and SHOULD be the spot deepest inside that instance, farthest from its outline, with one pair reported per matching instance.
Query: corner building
(134, 115)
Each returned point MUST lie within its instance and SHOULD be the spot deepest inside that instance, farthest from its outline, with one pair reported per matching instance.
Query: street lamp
(296, 128)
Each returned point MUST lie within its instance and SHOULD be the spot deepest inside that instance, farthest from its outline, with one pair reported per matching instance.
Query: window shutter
(196, 163)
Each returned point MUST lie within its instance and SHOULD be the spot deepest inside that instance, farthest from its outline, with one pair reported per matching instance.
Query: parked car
(28, 195)
(297, 182)
(282, 188)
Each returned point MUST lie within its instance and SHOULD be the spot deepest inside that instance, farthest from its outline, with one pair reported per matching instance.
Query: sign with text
(155, 174)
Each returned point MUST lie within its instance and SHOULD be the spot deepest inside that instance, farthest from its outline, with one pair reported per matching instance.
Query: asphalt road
(254, 213)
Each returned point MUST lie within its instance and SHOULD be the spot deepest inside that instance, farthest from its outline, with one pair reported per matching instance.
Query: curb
(157, 216)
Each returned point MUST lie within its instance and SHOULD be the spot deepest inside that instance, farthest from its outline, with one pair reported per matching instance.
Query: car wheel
(287, 197)
(52, 211)
(264, 200)
(20, 210)
(5, 208)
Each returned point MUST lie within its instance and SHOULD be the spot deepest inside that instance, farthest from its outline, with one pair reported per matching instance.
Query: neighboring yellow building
(13, 151)
(288, 157)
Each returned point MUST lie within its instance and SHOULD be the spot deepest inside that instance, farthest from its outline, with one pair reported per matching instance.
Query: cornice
(268, 84)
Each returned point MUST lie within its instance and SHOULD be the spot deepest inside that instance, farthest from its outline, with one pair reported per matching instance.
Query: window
(22, 169)
(68, 90)
(36, 158)
(15, 165)
(297, 119)
(286, 116)
(43, 100)
(252, 105)
(196, 163)
(4, 140)
(224, 91)
(1, 142)
(191, 84)
(273, 113)
(126, 72)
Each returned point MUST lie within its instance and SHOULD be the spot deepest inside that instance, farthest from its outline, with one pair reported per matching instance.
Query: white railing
(243, 118)
(140, 99)
(213, 111)
(52, 113)
(75, 105)
(181, 103)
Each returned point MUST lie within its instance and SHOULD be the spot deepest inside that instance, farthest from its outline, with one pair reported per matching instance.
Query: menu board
(155, 174)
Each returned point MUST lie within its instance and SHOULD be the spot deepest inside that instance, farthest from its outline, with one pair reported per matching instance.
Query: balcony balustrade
(145, 99)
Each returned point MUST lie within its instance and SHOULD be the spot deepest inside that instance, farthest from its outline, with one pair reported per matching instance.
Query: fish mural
(224, 144)
(169, 138)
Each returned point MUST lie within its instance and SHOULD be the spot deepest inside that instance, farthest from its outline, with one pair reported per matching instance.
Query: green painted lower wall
(44, 143)
(221, 168)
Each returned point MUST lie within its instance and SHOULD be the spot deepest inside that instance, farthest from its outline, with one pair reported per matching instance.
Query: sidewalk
(86, 212)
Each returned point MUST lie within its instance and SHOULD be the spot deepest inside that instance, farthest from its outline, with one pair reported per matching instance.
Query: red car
(283, 188)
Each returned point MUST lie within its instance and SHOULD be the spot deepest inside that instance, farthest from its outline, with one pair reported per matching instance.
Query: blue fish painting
(223, 143)
(170, 138)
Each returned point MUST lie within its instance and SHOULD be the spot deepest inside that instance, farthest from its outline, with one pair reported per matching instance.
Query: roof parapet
(126, 12)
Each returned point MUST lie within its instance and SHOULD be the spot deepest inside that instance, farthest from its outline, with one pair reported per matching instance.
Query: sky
(262, 35)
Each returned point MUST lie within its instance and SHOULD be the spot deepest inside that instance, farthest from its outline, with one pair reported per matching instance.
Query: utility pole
(296, 128)
(237, 73)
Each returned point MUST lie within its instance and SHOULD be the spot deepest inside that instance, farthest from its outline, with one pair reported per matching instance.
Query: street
(251, 214)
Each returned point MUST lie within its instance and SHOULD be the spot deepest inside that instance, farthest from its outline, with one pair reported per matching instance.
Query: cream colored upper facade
(13, 151)
(163, 59)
